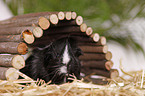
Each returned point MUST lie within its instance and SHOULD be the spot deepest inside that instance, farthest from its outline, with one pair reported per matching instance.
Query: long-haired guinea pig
(55, 62)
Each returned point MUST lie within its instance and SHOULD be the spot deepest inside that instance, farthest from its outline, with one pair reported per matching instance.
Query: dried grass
(131, 84)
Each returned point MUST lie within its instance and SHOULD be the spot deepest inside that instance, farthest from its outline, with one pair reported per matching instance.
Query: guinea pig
(55, 62)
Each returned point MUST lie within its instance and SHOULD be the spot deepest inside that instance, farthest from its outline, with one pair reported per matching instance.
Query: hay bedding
(130, 84)
(133, 86)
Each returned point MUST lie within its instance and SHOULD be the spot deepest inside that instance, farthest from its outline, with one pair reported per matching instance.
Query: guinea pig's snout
(63, 69)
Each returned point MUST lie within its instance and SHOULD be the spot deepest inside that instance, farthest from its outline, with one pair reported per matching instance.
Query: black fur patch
(44, 63)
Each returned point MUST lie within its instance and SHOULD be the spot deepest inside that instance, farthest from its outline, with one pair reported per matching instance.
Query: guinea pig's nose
(63, 69)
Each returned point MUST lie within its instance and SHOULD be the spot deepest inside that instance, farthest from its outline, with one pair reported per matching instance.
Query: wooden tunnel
(20, 32)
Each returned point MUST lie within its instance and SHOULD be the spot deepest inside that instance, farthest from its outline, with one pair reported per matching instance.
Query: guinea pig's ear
(78, 52)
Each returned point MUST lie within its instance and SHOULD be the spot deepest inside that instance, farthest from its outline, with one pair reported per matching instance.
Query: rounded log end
(108, 65)
(83, 27)
(68, 15)
(108, 55)
(38, 32)
(103, 40)
(114, 73)
(95, 37)
(28, 36)
(73, 15)
(11, 74)
(18, 62)
(105, 49)
(79, 20)
(43, 23)
(89, 31)
(61, 16)
(54, 19)
(22, 48)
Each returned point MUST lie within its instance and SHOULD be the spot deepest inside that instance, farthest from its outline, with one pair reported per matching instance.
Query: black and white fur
(54, 62)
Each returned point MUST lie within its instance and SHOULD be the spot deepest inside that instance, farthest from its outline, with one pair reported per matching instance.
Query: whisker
(54, 75)
(61, 76)
(48, 74)
(56, 66)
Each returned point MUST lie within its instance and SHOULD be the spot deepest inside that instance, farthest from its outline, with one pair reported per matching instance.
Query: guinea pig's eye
(57, 55)
(78, 52)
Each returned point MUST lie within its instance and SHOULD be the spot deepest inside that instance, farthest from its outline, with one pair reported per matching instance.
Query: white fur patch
(63, 69)
(65, 60)
(66, 57)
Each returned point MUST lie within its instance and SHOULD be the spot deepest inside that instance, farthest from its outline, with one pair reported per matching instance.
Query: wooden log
(95, 37)
(68, 29)
(28, 36)
(95, 56)
(68, 15)
(2, 73)
(30, 15)
(13, 47)
(11, 38)
(94, 49)
(108, 55)
(113, 73)
(45, 14)
(84, 39)
(102, 41)
(79, 20)
(53, 19)
(109, 65)
(43, 23)
(66, 23)
(49, 37)
(13, 22)
(61, 15)
(8, 73)
(62, 23)
(41, 18)
(37, 32)
(105, 65)
(83, 27)
(19, 30)
(89, 31)
(15, 61)
(73, 15)
(46, 39)
(78, 36)
(14, 30)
